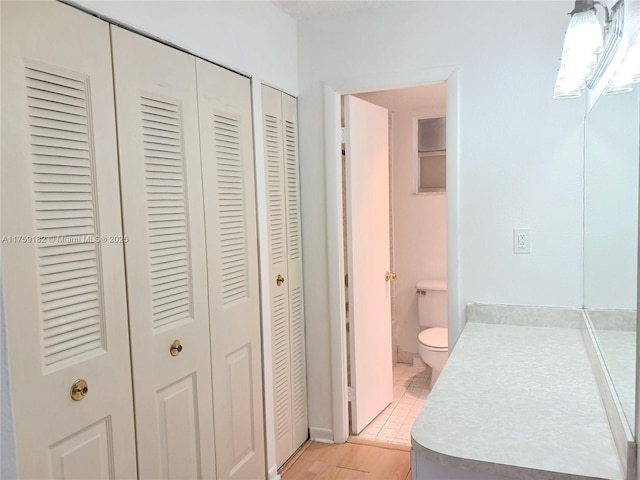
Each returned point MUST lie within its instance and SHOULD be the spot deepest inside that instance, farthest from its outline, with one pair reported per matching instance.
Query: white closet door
(294, 268)
(64, 292)
(287, 309)
(157, 113)
(278, 289)
(224, 102)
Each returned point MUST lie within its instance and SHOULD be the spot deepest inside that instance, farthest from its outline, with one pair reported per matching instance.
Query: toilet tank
(432, 303)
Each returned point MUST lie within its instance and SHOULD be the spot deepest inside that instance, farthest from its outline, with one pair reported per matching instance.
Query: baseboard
(404, 357)
(322, 435)
(622, 436)
(272, 474)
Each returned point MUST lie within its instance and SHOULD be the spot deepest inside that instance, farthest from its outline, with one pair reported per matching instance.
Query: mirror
(612, 153)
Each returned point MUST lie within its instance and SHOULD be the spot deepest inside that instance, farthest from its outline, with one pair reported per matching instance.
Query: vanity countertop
(520, 402)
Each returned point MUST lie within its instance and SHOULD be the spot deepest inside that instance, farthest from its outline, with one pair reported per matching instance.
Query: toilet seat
(435, 338)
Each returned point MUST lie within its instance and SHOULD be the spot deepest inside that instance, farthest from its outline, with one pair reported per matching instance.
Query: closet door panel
(294, 268)
(64, 289)
(157, 114)
(224, 101)
(278, 256)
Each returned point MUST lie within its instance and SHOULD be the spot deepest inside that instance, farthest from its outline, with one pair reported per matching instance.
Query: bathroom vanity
(550, 393)
(522, 397)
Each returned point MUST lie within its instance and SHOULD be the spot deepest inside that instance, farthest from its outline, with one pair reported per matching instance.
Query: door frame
(333, 89)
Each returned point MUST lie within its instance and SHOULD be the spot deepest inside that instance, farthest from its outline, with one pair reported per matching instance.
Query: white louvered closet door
(157, 114)
(294, 268)
(285, 268)
(64, 292)
(224, 102)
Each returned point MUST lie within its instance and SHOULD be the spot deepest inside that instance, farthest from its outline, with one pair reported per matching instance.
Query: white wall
(420, 231)
(611, 202)
(520, 151)
(252, 37)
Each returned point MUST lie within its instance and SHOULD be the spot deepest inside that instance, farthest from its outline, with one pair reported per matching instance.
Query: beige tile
(399, 407)
(394, 424)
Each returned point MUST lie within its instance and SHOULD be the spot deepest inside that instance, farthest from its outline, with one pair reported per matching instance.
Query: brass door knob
(79, 390)
(176, 348)
(279, 280)
(390, 276)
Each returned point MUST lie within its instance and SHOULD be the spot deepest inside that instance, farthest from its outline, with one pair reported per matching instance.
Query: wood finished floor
(354, 460)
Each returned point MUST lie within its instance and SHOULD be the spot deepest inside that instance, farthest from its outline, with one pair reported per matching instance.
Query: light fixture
(583, 42)
(627, 72)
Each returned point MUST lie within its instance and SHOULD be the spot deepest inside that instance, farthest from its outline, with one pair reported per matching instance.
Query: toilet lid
(435, 338)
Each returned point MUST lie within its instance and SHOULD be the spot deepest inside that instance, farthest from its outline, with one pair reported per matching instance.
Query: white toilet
(433, 340)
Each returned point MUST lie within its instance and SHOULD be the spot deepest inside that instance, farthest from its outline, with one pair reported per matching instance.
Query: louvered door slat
(80, 331)
(275, 187)
(65, 214)
(230, 184)
(292, 191)
(71, 292)
(167, 224)
(54, 94)
(70, 327)
(297, 356)
(282, 367)
(78, 282)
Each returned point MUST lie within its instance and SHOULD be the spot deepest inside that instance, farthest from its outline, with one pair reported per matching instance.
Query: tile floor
(410, 389)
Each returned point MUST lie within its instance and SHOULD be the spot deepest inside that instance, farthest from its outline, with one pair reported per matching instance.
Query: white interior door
(367, 158)
(158, 136)
(285, 269)
(300, 423)
(64, 286)
(279, 289)
(224, 103)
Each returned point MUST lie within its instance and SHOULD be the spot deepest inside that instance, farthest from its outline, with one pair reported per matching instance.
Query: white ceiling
(302, 9)
(407, 99)
(402, 99)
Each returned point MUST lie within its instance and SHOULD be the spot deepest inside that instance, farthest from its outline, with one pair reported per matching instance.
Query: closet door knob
(79, 390)
(279, 280)
(176, 348)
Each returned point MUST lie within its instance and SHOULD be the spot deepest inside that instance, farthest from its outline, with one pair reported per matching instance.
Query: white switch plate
(521, 240)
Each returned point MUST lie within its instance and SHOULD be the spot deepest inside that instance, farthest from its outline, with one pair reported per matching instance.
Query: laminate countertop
(518, 402)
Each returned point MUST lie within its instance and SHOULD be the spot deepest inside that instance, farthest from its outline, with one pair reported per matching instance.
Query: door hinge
(350, 394)
(343, 135)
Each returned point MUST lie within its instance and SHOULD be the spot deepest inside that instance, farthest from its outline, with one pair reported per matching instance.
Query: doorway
(392, 376)
(337, 266)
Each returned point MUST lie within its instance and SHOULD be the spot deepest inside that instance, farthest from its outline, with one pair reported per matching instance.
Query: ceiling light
(583, 42)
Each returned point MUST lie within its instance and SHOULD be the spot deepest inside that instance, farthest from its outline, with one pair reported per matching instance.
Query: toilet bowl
(434, 351)
(433, 343)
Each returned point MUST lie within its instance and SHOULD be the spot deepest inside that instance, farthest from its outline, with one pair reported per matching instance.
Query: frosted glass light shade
(584, 35)
(627, 72)
(582, 44)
